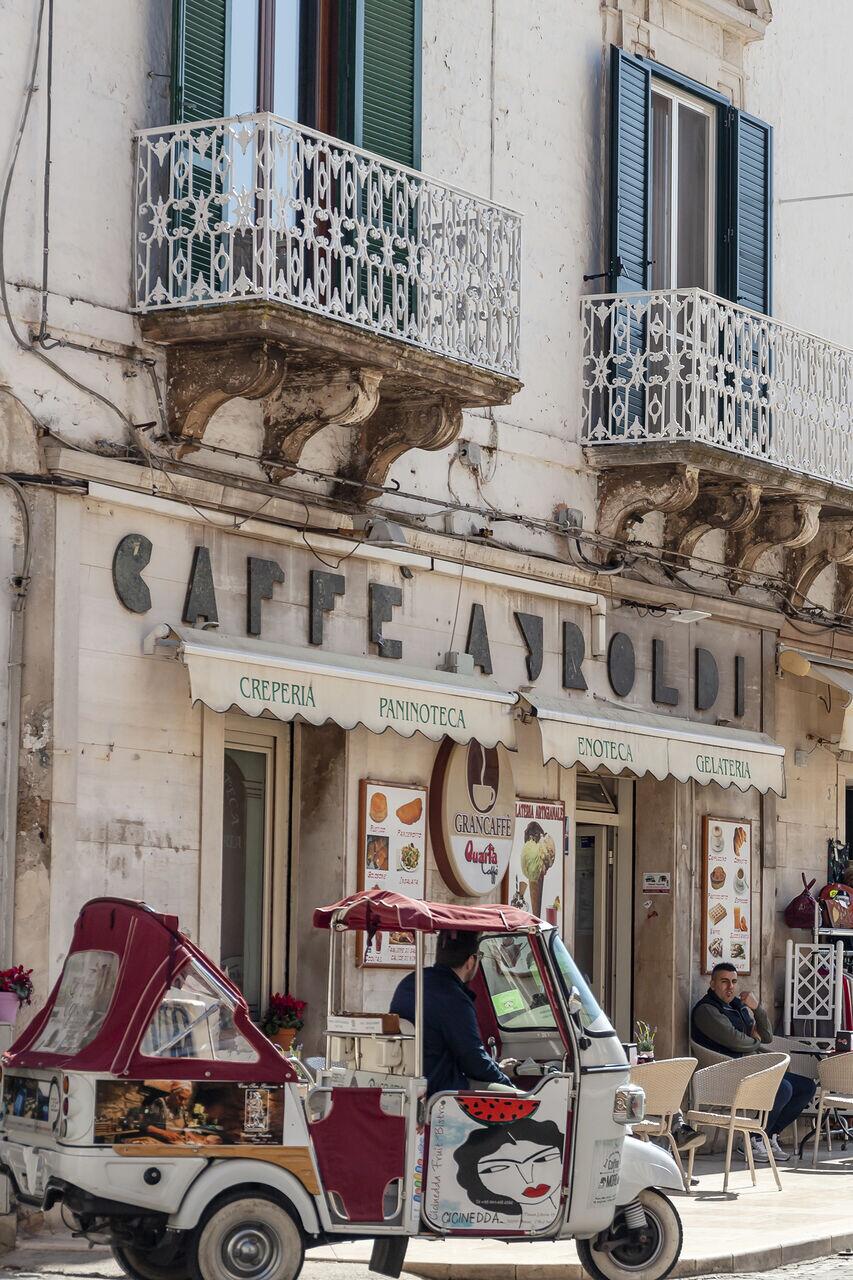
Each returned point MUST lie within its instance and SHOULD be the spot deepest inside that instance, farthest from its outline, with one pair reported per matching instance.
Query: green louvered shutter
(630, 227)
(386, 121)
(199, 38)
(752, 254)
(198, 59)
(387, 117)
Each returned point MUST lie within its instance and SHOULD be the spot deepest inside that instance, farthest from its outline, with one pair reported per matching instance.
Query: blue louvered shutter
(752, 248)
(630, 172)
(630, 236)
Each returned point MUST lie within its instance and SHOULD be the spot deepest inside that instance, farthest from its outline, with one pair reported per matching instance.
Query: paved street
(79, 1264)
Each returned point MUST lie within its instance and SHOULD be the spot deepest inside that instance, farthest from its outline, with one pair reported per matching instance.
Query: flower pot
(284, 1038)
(9, 1005)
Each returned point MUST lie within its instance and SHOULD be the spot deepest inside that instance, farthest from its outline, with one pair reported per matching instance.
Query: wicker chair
(835, 1091)
(664, 1084)
(707, 1057)
(737, 1096)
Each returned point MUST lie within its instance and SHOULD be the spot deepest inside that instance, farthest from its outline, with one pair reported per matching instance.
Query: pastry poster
(535, 878)
(392, 834)
(726, 896)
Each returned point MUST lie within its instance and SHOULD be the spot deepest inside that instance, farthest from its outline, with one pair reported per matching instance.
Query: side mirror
(575, 1007)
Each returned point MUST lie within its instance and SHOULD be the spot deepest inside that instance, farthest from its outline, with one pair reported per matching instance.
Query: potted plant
(16, 988)
(645, 1039)
(284, 1017)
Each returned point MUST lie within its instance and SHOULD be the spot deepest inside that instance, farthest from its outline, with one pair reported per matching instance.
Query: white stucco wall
(514, 108)
(514, 105)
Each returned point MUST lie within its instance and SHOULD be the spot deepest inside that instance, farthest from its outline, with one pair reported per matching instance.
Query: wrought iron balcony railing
(686, 366)
(258, 208)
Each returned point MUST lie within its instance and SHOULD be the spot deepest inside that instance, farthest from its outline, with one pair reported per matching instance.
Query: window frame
(275, 738)
(727, 213)
(679, 98)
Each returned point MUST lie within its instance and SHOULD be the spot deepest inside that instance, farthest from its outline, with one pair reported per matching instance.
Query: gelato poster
(535, 878)
(726, 898)
(392, 835)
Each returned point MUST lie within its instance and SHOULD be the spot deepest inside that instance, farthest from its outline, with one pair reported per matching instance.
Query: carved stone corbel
(731, 508)
(306, 402)
(201, 378)
(833, 545)
(780, 523)
(843, 602)
(627, 496)
(397, 426)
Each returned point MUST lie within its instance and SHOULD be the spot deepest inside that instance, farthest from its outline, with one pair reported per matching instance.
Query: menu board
(392, 855)
(534, 880)
(726, 900)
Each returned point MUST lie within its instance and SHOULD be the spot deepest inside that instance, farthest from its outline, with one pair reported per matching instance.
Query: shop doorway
(603, 912)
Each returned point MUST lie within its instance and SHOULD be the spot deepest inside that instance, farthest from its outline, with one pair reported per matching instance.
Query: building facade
(448, 410)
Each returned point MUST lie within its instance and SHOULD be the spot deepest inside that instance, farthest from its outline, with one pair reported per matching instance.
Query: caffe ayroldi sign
(718, 678)
(472, 816)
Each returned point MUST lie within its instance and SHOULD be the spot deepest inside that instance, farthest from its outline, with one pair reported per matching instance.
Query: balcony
(719, 417)
(339, 288)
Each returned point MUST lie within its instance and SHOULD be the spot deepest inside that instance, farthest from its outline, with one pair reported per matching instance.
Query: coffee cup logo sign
(472, 816)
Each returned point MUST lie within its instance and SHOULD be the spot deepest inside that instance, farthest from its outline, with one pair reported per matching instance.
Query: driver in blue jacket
(454, 1054)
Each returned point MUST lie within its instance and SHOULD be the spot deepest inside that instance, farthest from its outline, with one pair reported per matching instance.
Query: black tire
(652, 1261)
(246, 1237)
(144, 1264)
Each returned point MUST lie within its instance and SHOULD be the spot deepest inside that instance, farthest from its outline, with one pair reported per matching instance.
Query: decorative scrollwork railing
(256, 207)
(684, 365)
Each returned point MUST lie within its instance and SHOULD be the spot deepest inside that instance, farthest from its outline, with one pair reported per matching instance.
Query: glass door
(591, 896)
(245, 870)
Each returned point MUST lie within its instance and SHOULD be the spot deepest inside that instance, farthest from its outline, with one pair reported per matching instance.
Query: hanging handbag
(800, 911)
(837, 903)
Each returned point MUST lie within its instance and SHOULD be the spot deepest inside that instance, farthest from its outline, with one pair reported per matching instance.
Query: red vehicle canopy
(130, 971)
(381, 911)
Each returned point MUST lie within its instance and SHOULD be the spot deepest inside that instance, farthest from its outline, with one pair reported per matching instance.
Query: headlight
(629, 1105)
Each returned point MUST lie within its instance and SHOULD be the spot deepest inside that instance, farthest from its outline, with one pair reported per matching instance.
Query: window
(690, 188)
(590, 1014)
(195, 1019)
(350, 68)
(82, 1002)
(682, 190)
(594, 792)
(247, 820)
(514, 982)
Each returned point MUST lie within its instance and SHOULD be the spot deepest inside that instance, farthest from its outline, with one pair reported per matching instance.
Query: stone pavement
(748, 1232)
(750, 1229)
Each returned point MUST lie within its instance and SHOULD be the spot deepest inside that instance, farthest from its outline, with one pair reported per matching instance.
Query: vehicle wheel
(247, 1238)
(651, 1259)
(153, 1264)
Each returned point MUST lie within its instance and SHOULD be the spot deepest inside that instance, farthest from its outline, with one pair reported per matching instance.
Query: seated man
(453, 1051)
(736, 1026)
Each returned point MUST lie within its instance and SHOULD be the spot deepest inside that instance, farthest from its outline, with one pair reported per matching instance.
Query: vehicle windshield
(195, 1019)
(512, 975)
(591, 1015)
(82, 1002)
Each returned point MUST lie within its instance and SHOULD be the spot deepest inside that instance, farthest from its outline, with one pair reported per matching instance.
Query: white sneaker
(759, 1154)
(780, 1154)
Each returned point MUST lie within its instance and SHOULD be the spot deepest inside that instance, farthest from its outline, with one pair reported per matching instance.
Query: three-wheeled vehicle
(144, 1100)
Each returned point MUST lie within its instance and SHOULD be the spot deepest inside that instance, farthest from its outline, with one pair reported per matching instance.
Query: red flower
(284, 1011)
(18, 981)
